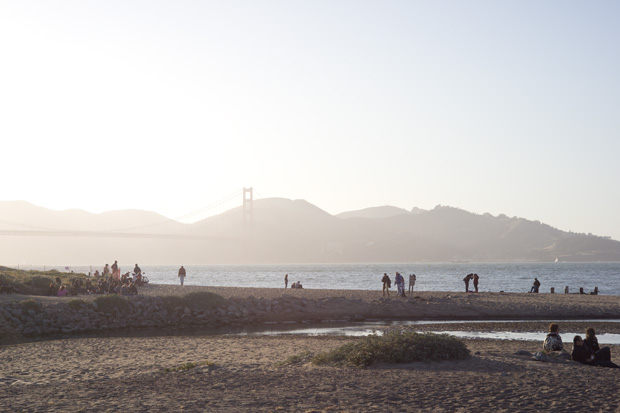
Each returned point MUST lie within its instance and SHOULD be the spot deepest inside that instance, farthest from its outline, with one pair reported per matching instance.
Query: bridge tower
(248, 207)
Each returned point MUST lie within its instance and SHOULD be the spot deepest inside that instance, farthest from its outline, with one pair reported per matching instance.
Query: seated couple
(584, 351)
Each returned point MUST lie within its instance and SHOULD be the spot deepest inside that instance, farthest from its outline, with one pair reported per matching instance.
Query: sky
(172, 106)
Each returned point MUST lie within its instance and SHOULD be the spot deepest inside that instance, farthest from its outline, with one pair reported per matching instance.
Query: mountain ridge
(283, 230)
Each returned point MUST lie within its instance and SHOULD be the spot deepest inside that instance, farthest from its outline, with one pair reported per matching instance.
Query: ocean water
(495, 277)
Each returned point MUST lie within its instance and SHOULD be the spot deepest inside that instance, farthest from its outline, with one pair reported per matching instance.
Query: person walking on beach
(476, 277)
(285, 280)
(536, 286)
(182, 274)
(412, 278)
(466, 279)
(387, 283)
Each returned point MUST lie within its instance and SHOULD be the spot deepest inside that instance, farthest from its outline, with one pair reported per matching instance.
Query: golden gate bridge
(247, 217)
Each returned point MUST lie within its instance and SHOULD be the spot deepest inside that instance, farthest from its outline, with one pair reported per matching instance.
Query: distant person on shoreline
(387, 283)
(466, 280)
(285, 280)
(182, 274)
(399, 281)
(536, 286)
(476, 278)
(412, 279)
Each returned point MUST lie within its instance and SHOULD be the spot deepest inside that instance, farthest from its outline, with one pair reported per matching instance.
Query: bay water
(494, 277)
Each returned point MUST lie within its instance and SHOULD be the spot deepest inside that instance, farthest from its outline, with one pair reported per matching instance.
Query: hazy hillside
(283, 230)
(374, 212)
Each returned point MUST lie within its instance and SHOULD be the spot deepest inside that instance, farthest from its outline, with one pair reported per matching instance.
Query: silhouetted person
(182, 274)
(466, 280)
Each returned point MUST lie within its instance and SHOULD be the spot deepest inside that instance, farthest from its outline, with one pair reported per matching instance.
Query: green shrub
(40, 284)
(171, 302)
(107, 303)
(396, 348)
(296, 359)
(77, 304)
(31, 305)
(203, 300)
(188, 366)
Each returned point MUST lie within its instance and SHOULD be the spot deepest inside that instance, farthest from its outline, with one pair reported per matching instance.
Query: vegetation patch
(203, 300)
(171, 302)
(395, 347)
(77, 304)
(31, 304)
(196, 301)
(34, 282)
(187, 366)
(107, 303)
(301, 358)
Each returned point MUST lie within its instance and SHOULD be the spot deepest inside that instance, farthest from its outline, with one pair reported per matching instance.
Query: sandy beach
(250, 373)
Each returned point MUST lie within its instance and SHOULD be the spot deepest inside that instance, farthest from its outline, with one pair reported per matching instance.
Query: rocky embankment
(171, 307)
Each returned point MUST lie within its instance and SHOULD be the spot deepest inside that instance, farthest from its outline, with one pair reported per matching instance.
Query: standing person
(412, 279)
(399, 286)
(536, 286)
(182, 274)
(116, 272)
(285, 280)
(387, 283)
(136, 270)
(466, 280)
(106, 270)
(476, 277)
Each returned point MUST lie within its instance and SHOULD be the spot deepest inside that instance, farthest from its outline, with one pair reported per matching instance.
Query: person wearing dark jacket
(582, 354)
(591, 343)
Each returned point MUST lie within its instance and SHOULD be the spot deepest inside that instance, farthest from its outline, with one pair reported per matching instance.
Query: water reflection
(378, 328)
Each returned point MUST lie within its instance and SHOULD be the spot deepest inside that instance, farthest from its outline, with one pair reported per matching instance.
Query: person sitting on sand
(62, 291)
(553, 341)
(591, 343)
(582, 354)
(536, 286)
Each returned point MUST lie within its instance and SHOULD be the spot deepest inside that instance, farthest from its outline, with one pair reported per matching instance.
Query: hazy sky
(489, 106)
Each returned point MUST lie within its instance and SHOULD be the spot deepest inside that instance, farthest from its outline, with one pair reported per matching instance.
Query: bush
(31, 305)
(40, 284)
(77, 304)
(188, 366)
(171, 302)
(107, 303)
(203, 300)
(396, 348)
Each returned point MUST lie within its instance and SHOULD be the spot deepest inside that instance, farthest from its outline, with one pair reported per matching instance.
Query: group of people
(399, 280)
(109, 281)
(586, 351)
(294, 285)
(125, 286)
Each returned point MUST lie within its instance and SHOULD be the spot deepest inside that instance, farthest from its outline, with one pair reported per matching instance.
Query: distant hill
(374, 212)
(283, 230)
